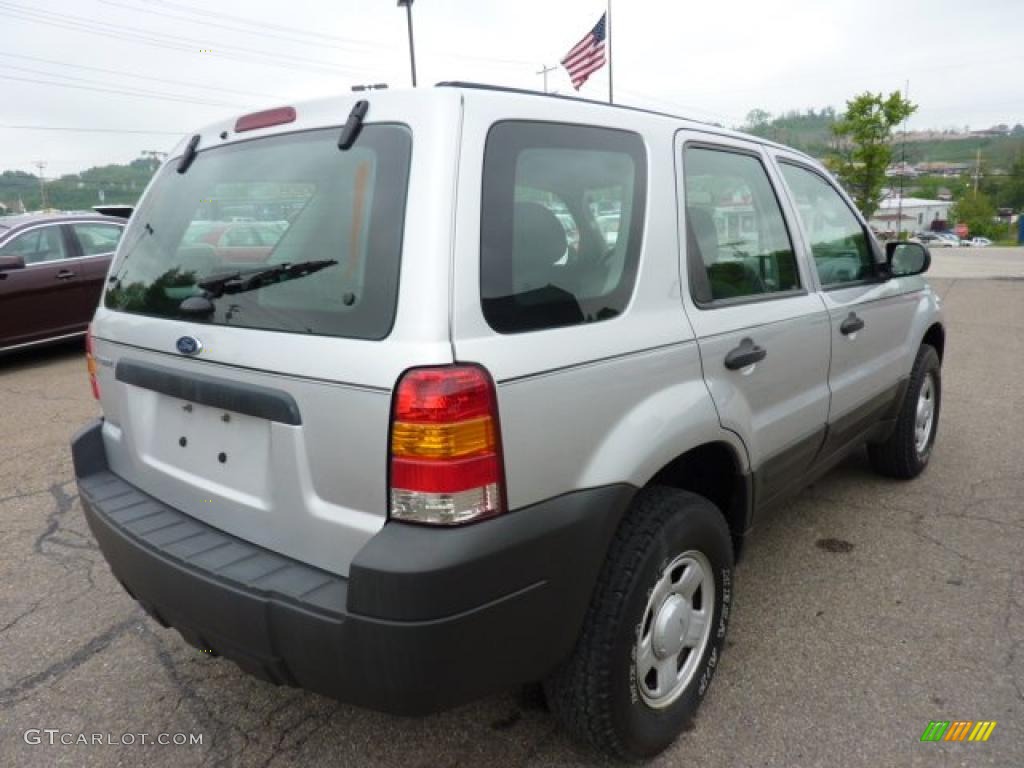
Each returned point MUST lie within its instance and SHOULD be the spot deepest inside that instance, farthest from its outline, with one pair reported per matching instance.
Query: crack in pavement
(1015, 640)
(21, 616)
(63, 503)
(13, 693)
(25, 495)
(319, 721)
(221, 750)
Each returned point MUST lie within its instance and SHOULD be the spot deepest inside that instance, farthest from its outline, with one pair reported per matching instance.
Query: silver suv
(488, 391)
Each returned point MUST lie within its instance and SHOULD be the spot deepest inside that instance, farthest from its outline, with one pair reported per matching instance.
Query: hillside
(112, 184)
(811, 132)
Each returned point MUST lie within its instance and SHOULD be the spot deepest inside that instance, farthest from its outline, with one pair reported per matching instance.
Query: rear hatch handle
(249, 399)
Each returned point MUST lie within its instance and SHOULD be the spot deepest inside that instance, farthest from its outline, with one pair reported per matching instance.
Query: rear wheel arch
(715, 471)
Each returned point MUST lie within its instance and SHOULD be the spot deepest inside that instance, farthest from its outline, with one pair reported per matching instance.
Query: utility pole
(903, 166)
(544, 69)
(155, 158)
(412, 50)
(41, 165)
(977, 170)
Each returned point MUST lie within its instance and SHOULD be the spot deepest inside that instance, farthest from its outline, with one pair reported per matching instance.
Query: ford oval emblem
(189, 345)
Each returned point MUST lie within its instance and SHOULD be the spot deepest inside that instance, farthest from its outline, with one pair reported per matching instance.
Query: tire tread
(897, 457)
(579, 692)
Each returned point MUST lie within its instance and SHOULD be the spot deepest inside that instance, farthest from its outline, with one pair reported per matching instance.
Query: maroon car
(52, 268)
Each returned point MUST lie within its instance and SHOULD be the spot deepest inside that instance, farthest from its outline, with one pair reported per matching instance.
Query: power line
(276, 29)
(125, 89)
(677, 106)
(114, 90)
(171, 42)
(233, 26)
(148, 78)
(91, 130)
(249, 22)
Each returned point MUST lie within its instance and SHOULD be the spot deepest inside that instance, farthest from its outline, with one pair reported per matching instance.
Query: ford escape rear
(486, 388)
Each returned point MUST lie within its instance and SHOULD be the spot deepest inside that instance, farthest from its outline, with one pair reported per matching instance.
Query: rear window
(561, 224)
(285, 233)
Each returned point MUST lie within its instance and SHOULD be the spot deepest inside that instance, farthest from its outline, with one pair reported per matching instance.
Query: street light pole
(412, 49)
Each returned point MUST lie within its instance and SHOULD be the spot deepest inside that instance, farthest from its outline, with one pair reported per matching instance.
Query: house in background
(914, 214)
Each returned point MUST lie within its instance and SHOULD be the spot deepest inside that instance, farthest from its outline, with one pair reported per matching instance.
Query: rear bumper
(427, 619)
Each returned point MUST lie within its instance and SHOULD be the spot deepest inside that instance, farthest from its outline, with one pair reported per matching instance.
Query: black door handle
(65, 274)
(747, 353)
(851, 324)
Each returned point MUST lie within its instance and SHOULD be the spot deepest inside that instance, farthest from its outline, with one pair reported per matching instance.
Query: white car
(946, 241)
(978, 242)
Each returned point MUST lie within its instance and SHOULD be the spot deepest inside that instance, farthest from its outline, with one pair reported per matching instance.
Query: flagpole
(608, 33)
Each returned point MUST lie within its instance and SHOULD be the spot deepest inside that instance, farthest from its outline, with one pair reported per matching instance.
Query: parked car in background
(230, 241)
(944, 240)
(979, 242)
(52, 268)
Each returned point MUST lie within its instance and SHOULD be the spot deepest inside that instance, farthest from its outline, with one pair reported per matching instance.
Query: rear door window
(284, 233)
(37, 245)
(561, 224)
(96, 239)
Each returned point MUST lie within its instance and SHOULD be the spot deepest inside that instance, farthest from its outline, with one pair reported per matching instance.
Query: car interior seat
(727, 278)
(538, 241)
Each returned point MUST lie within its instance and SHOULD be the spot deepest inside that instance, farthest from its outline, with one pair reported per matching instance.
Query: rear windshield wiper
(248, 280)
(241, 282)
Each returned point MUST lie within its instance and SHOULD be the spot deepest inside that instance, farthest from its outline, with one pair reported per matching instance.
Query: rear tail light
(90, 364)
(446, 464)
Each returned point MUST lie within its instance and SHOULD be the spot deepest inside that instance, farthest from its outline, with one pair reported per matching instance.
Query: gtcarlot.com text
(56, 737)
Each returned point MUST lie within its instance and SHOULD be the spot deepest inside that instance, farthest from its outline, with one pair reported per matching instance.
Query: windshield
(267, 204)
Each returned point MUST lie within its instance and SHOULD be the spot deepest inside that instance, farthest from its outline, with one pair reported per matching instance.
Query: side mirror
(905, 259)
(11, 262)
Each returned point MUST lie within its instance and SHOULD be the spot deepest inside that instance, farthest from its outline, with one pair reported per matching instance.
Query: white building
(914, 214)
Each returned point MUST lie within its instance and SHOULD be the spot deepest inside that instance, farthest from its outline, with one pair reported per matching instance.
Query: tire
(597, 693)
(900, 456)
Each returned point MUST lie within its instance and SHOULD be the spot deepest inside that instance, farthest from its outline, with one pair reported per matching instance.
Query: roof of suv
(313, 112)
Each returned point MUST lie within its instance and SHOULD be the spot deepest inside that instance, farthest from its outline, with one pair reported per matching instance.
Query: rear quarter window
(561, 224)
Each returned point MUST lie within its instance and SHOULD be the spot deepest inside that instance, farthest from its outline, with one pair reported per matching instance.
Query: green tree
(1013, 191)
(864, 150)
(757, 118)
(978, 212)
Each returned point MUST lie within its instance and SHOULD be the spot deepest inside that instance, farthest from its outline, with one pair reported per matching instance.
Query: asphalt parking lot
(994, 261)
(838, 655)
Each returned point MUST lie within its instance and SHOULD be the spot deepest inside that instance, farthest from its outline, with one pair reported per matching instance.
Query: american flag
(587, 56)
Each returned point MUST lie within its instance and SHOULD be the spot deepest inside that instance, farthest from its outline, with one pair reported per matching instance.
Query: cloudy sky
(138, 73)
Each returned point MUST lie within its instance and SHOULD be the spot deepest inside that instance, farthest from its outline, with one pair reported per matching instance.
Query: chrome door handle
(65, 274)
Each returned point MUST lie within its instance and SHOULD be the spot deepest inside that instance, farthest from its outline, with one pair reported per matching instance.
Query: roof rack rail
(566, 97)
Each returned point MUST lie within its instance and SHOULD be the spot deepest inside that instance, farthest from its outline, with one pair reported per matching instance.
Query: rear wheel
(907, 451)
(654, 631)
